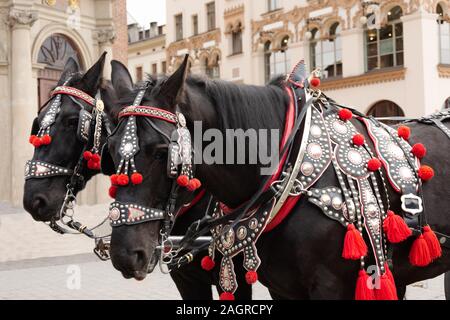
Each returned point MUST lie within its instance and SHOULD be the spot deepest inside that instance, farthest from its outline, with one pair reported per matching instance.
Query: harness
(89, 132)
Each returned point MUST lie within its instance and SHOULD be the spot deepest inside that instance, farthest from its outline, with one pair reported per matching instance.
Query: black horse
(43, 197)
(301, 257)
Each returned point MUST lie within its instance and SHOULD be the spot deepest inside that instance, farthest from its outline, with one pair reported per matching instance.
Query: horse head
(63, 135)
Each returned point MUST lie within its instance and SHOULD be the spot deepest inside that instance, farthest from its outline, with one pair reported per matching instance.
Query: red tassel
(227, 296)
(136, 178)
(114, 179)
(32, 139)
(345, 114)
(251, 277)
(374, 164)
(37, 142)
(395, 228)
(46, 140)
(354, 245)
(404, 132)
(87, 155)
(123, 180)
(426, 173)
(433, 243)
(419, 255)
(183, 180)
(419, 150)
(112, 192)
(358, 140)
(315, 82)
(363, 291)
(387, 290)
(207, 263)
(194, 184)
(96, 158)
(389, 273)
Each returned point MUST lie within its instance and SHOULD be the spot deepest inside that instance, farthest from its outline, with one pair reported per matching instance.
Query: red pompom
(194, 184)
(345, 114)
(112, 192)
(395, 228)
(354, 245)
(433, 243)
(419, 150)
(207, 263)
(136, 178)
(374, 164)
(358, 139)
(114, 179)
(93, 165)
(96, 157)
(227, 296)
(46, 140)
(404, 132)
(364, 290)
(419, 255)
(426, 173)
(251, 277)
(37, 142)
(387, 289)
(32, 138)
(183, 180)
(315, 82)
(123, 180)
(87, 155)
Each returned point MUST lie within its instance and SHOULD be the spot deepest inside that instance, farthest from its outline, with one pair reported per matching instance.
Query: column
(22, 92)
(353, 52)
(421, 59)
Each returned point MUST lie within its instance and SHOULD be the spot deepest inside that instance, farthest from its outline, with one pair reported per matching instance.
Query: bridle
(89, 132)
(179, 170)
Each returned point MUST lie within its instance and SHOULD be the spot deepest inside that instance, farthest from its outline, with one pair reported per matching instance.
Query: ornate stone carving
(22, 17)
(104, 36)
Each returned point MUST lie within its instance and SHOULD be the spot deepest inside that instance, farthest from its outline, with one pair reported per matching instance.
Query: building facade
(36, 39)
(384, 57)
(146, 50)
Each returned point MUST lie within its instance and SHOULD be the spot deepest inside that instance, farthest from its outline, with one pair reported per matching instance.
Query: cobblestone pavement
(36, 263)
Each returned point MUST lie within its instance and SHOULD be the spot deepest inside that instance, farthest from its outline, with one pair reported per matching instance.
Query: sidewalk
(36, 263)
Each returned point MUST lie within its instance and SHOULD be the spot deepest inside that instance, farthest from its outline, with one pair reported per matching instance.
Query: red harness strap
(189, 206)
(75, 93)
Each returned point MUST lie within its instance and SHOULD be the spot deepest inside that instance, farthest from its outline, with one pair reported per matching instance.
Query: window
(164, 67)
(154, 69)
(326, 54)
(384, 47)
(211, 15)
(212, 69)
(179, 27)
(444, 36)
(139, 74)
(386, 108)
(272, 5)
(236, 38)
(276, 62)
(194, 25)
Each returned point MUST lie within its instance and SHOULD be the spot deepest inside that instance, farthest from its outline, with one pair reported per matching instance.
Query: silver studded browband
(40, 170)
(131, 214)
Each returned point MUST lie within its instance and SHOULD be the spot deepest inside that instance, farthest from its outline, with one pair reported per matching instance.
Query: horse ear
(121, 79)
(91, 79)
(173, 87)
(70, 68)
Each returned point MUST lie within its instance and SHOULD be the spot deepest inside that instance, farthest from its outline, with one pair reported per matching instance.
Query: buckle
(102, 249)
(411, 203)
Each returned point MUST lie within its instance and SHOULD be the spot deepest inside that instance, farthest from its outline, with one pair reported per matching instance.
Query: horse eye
(160, 154)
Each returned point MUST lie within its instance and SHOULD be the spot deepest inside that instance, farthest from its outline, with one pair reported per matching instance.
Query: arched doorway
(54, 53)
(386, 108)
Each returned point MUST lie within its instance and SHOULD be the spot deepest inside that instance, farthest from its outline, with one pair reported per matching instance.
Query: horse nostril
(141, 256)
(39, 202)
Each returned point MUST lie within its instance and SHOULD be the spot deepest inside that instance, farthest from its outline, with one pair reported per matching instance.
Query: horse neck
(233, 183)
